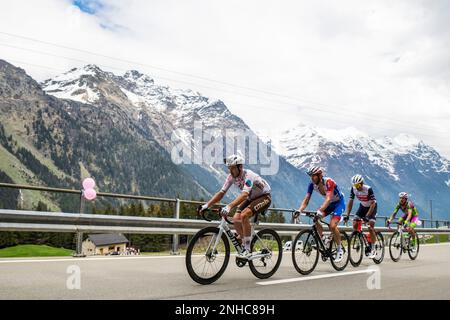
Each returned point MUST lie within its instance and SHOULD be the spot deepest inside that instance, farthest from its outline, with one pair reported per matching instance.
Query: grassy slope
(17, 132)
(32, 250)
(21, 175)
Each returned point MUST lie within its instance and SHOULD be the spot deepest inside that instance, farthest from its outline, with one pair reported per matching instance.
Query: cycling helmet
(233, 160)
(357, 179)
(403, 195)
(314, 170)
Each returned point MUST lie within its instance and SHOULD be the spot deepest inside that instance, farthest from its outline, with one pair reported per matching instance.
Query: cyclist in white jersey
(255, 198)
(367, 211)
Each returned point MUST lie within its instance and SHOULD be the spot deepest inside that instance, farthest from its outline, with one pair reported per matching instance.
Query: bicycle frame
(223, 227)
(403, 243)
(361, 233)
(325, 252)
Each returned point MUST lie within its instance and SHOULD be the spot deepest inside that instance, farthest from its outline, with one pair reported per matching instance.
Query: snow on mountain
(164, 113)
(305, 145)
(75, 84)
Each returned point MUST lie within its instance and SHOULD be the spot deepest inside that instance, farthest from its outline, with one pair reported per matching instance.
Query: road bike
(308, 244)
(208, 252)
(359, 243)
(401, 241)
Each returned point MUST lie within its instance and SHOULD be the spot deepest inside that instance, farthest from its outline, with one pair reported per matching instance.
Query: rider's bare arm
(327, 202)
(216, 198)
(409, 215)
(305, 202)
(349, 207)
(372, 207)
(239, 199)
(392, 217)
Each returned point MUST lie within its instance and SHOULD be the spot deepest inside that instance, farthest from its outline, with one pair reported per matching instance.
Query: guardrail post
(175, 236)
(79, 235)
(437, 235)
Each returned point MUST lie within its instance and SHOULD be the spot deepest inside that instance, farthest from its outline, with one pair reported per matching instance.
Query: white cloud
(387, 61)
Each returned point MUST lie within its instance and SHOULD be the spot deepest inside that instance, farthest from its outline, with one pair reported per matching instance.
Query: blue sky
(89, 6)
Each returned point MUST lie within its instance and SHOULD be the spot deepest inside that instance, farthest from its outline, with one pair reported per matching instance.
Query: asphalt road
(150, 277)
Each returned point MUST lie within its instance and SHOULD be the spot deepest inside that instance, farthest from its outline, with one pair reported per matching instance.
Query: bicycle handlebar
(217, 210)
(309, 214)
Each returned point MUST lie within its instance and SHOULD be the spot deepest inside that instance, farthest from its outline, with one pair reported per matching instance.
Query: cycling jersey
(407, 208)
(365, 196)
(330, 187)
(249, 182)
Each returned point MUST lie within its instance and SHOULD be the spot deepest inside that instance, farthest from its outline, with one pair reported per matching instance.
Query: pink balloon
(89, 194)
(88, 183)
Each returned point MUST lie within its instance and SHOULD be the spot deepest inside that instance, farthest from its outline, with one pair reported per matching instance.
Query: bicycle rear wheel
(266, 241)
(356, 249)
(411, 252)
(395, 246)
(206, 264)
(379, 248)
(345, 244)
(305, 254)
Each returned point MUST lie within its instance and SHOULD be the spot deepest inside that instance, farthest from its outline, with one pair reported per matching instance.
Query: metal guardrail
(61, 222)
(20, 220)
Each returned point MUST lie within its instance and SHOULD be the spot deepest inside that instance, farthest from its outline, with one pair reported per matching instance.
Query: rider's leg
(412, 232)
(373, 235)
(246, 227)
(237, 223)
(335, 231)
(337, 212)
(319, 228)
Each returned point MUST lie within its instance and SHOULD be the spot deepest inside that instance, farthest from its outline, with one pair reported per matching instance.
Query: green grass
(442, 238)
(32, 250)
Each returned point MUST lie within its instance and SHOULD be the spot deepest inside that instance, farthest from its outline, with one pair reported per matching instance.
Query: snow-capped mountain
(390, 164)
(161, 112)
(120, 128)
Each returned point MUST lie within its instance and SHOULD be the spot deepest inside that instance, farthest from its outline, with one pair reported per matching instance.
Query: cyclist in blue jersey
(334, 204)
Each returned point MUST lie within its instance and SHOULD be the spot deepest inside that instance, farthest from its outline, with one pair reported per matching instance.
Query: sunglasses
(357, 185)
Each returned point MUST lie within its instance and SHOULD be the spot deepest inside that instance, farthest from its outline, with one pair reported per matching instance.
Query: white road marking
(323, 276)
(25, 260)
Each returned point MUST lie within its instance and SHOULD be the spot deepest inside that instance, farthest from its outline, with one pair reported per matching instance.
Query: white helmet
(233, 160)
(357, 178)
(403, 195)
(314, 170)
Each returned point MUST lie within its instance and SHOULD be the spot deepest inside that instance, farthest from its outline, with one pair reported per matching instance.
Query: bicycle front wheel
(395, 246)
(267, 243)
(356, 249)
(305, 254)
(205, 261)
